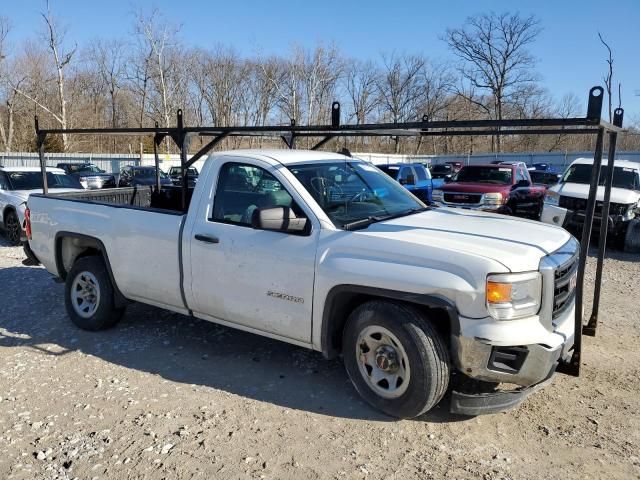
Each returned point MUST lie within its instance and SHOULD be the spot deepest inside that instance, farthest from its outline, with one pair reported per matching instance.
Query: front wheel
(395, 358)
(89, 295)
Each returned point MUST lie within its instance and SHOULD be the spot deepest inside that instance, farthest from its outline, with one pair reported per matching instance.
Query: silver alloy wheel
(12, 226)
(383, 362)
(85, 294)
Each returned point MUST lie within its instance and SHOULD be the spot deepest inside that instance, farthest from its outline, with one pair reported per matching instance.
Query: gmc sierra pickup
(327, 252)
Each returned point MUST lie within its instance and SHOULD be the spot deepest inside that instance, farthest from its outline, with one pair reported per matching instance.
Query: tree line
(147, 77)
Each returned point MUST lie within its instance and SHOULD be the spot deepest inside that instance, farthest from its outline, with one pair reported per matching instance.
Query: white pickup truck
(565, 203)
(327, 252)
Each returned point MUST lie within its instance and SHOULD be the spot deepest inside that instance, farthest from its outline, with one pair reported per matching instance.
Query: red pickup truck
(502, 188)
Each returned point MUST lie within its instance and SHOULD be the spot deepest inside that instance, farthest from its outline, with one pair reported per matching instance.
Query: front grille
(580, 205)
(563, 288)
(463, 198)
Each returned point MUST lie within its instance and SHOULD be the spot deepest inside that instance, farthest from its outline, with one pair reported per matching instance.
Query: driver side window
(244, 188)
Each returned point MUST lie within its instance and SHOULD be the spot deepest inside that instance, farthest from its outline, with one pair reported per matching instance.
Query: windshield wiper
(365, 222)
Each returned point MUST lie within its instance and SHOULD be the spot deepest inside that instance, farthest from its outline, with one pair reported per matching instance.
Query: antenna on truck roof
(591, 124)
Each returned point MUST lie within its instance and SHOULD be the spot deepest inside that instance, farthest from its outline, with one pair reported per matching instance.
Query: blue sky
(570, 58)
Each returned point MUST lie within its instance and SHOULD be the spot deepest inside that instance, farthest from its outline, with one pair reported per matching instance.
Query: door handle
(206, 238)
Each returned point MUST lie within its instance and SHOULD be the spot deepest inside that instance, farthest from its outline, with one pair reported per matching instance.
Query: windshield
(478, 174)
(391, 171)
(87, 168)
(441, 169)
(622, 177)
(33, 180)
(147, 172)
(352, 191)
(190, 171)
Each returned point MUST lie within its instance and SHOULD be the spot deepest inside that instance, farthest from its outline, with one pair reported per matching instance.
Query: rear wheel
(12, 227)
(395, 358)
(31, 257)
(89, 297)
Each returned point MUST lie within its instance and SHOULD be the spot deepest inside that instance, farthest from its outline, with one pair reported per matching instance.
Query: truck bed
(169, 197)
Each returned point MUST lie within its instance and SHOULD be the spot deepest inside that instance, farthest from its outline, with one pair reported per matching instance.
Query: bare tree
(55, 38)
(400, 88)
(361, 80)
(108, 60)
(608, 79)
(160, 40)
(5, 27)
(493, 52)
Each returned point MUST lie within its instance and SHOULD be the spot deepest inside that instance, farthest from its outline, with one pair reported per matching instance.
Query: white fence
(114, 162)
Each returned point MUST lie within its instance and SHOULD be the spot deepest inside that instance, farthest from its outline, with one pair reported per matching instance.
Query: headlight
(436, 195)
(552, 198)
(630, 214)
(492, 199)
(514, 295)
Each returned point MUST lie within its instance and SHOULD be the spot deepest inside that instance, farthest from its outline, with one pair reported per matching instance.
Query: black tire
(31, 257)
(632, 237)
(102, 313)
(426, 353)
(12, 227)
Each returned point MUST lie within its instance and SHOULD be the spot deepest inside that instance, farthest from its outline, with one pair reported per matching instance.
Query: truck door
(255, 278)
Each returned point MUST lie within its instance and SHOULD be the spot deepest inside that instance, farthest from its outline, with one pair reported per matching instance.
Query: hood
(475, 187)
(91, 174)
(516, 243)
(581, 190)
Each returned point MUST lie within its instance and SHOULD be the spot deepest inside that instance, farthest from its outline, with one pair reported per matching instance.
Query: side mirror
(522, 183)
(447, 179)
(278, 219)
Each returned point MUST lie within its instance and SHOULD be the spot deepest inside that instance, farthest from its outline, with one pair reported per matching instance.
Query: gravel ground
(166, 396)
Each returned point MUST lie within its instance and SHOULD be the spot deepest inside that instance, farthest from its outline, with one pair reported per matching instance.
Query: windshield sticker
(504, 169)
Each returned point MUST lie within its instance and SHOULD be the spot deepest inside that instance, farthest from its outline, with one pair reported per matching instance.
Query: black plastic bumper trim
(473, 404)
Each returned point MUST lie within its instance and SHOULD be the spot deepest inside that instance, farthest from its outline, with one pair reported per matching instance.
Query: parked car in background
(547, 179)
(413, 176)
(542, 167)
(565, 203)
(133, 175)
(456, 166)
(441, 174)
(16, 184)
(500, 188)
(89, 175)
(175, 174)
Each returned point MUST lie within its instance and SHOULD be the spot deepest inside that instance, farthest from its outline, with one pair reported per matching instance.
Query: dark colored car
(500, 188)
(89, 175)
(132, 175)
(542, 167)
(175, 175)
(457, 166)
(441, 174)
(413, 176)
(541, 177)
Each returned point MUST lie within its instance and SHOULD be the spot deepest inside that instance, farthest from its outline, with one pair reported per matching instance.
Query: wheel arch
(69, 246)
(8, 208)
(343, 299)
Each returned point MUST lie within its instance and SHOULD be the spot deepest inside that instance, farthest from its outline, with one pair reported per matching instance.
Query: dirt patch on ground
(166, 396)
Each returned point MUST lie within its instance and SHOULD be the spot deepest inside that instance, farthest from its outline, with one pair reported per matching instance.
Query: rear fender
(69, 246)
